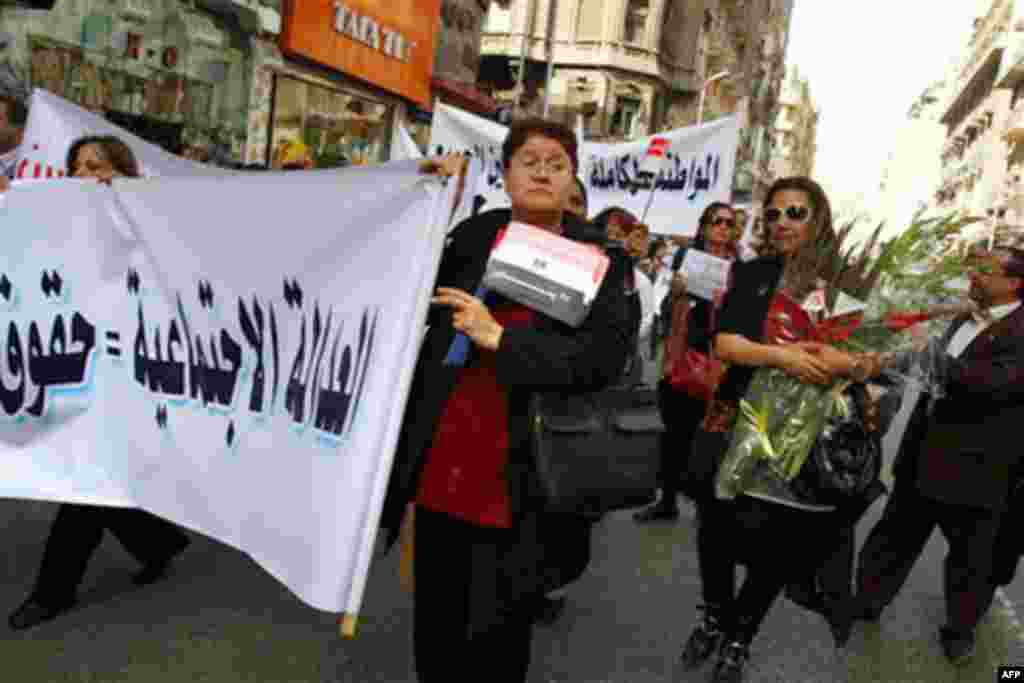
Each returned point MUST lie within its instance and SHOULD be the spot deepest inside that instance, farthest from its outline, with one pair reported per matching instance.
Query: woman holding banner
(464, 457)
(78, 529)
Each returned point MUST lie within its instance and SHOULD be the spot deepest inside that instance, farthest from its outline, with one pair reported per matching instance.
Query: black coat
(963, 453)
(547, 356)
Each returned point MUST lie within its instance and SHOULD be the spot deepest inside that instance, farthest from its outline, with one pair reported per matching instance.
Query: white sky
(866, 62)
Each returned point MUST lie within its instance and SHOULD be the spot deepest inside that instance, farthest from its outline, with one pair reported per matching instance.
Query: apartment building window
(590, 22)
(636, 21)
(626, 111)
(672, 30)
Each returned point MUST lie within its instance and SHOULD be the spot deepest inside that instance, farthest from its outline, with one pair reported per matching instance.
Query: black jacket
(547, 356)
(964, 453)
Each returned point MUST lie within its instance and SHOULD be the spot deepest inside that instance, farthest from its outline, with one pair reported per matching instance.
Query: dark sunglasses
(798, 214)
(719, 220)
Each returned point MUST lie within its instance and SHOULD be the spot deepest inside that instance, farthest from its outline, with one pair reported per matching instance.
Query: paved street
(220, 618)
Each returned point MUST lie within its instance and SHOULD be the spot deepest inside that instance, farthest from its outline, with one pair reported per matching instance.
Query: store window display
(339, 128)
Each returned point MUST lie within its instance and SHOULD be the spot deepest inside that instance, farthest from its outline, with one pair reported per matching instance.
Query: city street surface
(220, 618)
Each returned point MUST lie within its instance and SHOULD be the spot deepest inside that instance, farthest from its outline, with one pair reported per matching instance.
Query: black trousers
(444, 649)
(835, 575)
(899, 537)
(682, 416)
(567, 541)
(76, 533)
(774, 541)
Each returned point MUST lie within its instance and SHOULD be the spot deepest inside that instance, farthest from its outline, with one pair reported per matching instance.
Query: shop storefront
(168, 71)
(344, 75)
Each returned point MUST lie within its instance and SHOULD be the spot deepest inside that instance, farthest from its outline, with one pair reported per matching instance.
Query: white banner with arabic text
(698, 168)
(206, 352)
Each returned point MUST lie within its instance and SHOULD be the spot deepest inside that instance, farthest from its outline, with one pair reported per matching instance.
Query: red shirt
(464, 475)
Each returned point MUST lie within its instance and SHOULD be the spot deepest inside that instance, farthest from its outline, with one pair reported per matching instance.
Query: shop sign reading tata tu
(390, 45)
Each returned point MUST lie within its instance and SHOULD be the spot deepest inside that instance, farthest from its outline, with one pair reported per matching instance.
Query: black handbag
(847, 458)
(597, 452)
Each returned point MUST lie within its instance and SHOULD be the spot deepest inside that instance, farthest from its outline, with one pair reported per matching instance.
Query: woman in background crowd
(625, 233)
(681, 412)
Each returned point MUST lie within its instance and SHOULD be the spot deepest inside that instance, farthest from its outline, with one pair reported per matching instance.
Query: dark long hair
(700, 241)
(815, 259)
(602, 219)
(118, 153)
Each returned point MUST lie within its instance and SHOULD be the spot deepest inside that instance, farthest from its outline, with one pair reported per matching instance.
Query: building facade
(178, 71)
(633, 67)
(621, 64)
(980, 158)
(796, 129)
(240, 77)
(457, 61)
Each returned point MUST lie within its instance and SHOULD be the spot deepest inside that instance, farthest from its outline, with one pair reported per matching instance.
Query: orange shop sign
(389, 44)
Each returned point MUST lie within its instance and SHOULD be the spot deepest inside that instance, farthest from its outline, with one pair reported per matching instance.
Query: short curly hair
(523, 129)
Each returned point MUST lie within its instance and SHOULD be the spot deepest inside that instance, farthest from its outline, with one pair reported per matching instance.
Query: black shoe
(705, 639)
(32, 613)
(859, 612)
(549, 610)
(732, 660)
(838, 613)
(956, 645)
(659, 512)
(155, 571)
(808, 595)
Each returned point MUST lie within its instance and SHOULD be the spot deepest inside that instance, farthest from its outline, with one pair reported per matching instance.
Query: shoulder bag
(690, 371)
(596, 452)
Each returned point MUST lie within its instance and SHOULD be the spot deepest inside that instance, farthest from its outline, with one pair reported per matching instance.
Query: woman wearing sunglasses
(778, 535)
(681, 412)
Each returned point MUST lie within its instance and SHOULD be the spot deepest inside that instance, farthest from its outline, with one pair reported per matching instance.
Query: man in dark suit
(954, 465)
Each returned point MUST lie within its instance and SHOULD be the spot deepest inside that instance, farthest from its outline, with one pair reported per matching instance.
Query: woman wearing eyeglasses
(681, 412)
(464, 458)
(778, 535)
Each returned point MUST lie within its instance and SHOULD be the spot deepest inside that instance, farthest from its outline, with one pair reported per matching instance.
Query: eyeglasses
(551, 167)
(721, 220)
(798, 214)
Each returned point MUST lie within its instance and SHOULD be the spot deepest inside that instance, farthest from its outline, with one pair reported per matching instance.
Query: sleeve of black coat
(587, 358)
(452, 257)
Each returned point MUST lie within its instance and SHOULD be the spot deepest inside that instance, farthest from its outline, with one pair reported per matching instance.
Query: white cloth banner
(455, 130)
(403, 147)
(193, 350)
(698, 168)
(54, 124)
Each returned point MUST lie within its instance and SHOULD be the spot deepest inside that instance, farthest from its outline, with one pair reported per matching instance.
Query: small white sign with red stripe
(554, 275)
(656, 156)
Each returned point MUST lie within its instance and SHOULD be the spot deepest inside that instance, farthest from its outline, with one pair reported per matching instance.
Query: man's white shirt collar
(995, 314)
